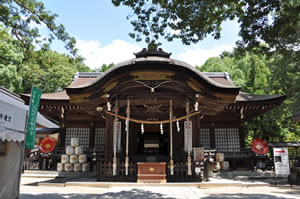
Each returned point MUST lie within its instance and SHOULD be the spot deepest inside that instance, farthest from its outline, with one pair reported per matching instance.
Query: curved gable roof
(150, 60)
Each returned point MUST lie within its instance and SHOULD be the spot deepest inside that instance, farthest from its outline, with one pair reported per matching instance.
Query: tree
(192, 21)
(249, 71)
(276, 74)
(19, 15)
(104, 67)
(11, 58)
(50, 70)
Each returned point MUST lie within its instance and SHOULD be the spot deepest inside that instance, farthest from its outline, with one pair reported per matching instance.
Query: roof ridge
(86, 75)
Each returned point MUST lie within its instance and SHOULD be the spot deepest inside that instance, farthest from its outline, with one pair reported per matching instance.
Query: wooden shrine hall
(147, 115)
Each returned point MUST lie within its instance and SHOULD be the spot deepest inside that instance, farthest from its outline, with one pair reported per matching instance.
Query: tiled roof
(219, 77)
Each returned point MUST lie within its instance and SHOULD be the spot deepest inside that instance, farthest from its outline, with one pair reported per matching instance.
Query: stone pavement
(30, 190)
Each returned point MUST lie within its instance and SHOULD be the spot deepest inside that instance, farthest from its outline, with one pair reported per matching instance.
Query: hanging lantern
(161, 128)
(142, 128)
(178, 127)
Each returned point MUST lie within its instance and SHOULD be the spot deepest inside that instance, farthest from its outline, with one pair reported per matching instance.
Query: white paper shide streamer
(142, 128)
(178, 127)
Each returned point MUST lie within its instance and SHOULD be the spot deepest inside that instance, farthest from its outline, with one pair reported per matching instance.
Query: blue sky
(101, 31)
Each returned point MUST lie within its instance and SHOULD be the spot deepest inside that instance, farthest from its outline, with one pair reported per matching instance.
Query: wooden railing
(105, 172)
(31, 165)
(236, 152)
(31, 160)
(181, 173)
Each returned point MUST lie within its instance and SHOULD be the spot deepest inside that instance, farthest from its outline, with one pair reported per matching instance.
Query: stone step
(159, 181)
(37, 172)
(244, 174)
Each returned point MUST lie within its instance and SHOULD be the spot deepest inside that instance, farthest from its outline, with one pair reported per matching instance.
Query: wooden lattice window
(100, 138)
(82, 133)
(205, 137)
(227, 139)
(233, 138)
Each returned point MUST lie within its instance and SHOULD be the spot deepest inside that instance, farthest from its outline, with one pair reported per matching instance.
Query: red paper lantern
(47, 145)
(259, 146)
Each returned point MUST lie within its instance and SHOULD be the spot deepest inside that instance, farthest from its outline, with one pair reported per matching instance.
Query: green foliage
(191, 21)
(103, 68)
(275, 74)
(50, 71)
(285, 80)
(249, 71)
(11, 58)
(21, 15)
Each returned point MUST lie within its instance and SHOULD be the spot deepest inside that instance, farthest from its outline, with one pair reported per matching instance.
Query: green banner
(32, 116)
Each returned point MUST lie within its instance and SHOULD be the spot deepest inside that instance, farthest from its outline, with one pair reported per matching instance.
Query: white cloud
(95, 55)
(198, 56)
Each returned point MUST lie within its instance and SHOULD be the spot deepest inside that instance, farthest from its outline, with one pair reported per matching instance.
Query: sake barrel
(220, 157)
(86, 167)
(83, 158)
(68, 167)
(77, 167)
(74, 142)
(69, 150)
(73, 159)
(60, 167)
(79, 150)
(64, 158)
(225, 165)
(215, 166)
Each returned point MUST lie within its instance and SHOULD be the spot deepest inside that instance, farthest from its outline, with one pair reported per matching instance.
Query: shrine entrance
(152, 147)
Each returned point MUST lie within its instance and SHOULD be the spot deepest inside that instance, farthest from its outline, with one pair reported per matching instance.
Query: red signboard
(259, 146)
(47, 145)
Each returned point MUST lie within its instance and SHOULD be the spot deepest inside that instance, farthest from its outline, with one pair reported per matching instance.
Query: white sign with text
(281, 161)
(188, 136)
(117, 135)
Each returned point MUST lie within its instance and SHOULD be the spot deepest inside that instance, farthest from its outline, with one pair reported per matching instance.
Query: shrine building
(156, 110)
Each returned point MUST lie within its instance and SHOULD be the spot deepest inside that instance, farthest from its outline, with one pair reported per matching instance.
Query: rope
(153, 122)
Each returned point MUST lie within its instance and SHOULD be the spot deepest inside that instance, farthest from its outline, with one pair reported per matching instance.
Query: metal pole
(22, 147)
(171, 139)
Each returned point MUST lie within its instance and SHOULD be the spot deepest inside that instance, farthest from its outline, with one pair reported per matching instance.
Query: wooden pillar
(133, 128)
(108, 138)
(62, 136)
(189, 158)
(171, 140)
(212, 136)
(63, 128)
(242, 136)
(92, 134)
(127, 137)
(196, 130)
(116, 110)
